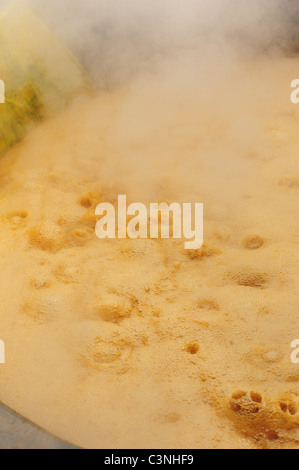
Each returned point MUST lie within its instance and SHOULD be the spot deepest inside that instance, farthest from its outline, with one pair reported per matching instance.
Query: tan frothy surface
(139, 343)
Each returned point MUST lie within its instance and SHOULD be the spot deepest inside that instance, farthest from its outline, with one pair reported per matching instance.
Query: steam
(188, 100)
(187, 90)
(115, 39)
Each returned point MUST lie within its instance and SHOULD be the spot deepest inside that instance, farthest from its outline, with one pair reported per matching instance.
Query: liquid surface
(138, 343)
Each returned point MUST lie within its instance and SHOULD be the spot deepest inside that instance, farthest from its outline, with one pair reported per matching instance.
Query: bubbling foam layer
(104, 336)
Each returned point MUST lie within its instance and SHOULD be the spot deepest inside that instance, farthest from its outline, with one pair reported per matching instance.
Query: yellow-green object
(40, 74)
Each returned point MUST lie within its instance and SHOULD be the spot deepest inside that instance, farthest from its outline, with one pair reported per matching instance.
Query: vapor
(115, 39)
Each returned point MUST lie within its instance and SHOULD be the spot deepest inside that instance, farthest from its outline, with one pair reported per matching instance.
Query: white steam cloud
(114, 39)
